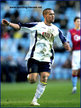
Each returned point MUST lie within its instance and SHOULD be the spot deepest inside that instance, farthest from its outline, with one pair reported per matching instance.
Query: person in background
(73, 37)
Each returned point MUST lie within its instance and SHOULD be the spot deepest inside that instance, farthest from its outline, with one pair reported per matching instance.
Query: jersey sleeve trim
(62, 37)
(29, 25)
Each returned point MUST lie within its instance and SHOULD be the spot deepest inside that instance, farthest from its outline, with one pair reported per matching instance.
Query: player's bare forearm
(6, 23)
(15, 26)
(67, 46)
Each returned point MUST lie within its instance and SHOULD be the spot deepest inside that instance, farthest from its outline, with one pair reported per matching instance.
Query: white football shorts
(76, 60)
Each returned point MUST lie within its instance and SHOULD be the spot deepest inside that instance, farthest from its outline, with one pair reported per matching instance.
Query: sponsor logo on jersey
(48, 36)
(76, 38)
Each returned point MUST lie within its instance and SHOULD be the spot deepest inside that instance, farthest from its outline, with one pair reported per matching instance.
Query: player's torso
(44, 41)
(75, 36)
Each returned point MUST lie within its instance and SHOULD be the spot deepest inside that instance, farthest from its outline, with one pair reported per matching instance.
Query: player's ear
(44, 15)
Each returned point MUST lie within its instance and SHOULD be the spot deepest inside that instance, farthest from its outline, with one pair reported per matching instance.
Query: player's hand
(5, 22)
(67, 46)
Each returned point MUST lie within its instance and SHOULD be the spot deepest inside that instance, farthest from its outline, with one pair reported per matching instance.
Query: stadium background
(15, 44)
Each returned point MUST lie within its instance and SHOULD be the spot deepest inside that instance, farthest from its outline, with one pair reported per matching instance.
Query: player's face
(77, 23)
(50, 16)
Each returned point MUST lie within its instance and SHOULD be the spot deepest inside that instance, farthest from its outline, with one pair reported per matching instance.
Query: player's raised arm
(7, 23)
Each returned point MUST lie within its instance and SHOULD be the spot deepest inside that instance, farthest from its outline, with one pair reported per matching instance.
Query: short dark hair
(45, 11)
(77, 17)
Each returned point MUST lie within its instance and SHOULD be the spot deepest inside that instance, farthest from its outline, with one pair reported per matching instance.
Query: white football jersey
(41, 40)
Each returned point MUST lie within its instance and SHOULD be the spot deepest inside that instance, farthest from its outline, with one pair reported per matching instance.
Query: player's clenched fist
(15, 26)
(67, 46)
(5, 22)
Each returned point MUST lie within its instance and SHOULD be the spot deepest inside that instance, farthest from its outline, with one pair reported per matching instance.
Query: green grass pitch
(57, 94)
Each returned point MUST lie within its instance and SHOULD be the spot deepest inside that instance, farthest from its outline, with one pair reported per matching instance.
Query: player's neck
(77, 28)
(47, 23)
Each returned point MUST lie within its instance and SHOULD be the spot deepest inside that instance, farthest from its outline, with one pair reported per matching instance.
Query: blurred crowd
(15, 44)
